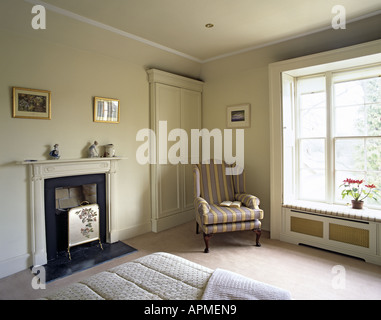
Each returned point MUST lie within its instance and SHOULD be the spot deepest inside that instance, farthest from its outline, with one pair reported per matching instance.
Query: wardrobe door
(190, 119)
(168, 113)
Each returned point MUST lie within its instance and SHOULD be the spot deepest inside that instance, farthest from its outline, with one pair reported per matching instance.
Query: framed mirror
(106, 110)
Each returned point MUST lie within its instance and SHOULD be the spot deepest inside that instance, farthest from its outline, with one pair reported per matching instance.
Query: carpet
(84, 257)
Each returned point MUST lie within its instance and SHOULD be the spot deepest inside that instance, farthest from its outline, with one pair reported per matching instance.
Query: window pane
(373, 154)
(373, 115)
(312, 153)
(309, 85)
(312, 100)
(312, 115)
(350, 121)
(348, 93)
(312, 173)
(372, 89)
(358, 107)
(312, 123)
(312, 184)
(350, 154)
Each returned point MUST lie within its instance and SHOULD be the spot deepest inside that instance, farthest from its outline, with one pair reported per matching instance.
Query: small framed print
(238, 116)
(31, 103)
(106, 110)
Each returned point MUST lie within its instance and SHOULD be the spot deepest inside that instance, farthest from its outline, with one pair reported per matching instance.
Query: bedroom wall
(75, 62)
(243, 78)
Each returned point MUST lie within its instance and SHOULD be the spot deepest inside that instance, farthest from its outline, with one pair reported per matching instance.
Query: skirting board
(134, 231)
(15, 264)
(165, 223)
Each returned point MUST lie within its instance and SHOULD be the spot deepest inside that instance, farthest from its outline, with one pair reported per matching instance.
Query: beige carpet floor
(308, 273)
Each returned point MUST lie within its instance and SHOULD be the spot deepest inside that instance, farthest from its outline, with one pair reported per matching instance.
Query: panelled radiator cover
(348, 236)
(307, 226)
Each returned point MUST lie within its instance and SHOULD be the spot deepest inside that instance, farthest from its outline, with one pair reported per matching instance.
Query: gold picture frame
(31, 103)
(238, 116)
(106, 110)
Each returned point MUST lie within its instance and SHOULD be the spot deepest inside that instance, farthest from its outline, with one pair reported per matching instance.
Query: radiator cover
(350, 235)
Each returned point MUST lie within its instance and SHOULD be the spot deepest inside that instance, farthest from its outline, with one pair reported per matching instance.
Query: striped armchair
(212, 186)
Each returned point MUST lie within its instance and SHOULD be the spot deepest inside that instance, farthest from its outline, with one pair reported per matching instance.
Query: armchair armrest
(201, 205)
(248, 200)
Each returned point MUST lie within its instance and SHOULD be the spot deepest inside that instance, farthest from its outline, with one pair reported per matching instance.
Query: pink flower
(349, 181)
(353, 189)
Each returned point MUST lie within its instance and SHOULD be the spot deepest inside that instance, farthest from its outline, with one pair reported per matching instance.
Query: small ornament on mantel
(93, 152)
(55, 153)
(109, 151)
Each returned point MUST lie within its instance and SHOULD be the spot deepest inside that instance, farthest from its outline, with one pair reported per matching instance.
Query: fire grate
(83, 225)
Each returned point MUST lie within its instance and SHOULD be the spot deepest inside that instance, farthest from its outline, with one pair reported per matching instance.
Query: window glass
(357, 106)
(350, 154)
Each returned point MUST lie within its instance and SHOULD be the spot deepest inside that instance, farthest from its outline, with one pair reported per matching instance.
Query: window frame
(330, 138)
(360, 54)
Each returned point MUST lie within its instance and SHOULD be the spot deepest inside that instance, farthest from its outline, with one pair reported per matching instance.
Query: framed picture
(31, 103)
(238, 116)
(106, 110)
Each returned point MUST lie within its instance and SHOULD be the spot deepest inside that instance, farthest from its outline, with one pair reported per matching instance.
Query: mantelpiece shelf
(69, 160)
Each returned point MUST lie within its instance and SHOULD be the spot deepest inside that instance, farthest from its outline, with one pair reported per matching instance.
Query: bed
(164, 276)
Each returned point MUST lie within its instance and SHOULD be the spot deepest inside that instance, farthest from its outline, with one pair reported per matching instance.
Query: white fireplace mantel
(45, 169)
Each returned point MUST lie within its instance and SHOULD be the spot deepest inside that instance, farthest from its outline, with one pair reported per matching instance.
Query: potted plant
(355, 189)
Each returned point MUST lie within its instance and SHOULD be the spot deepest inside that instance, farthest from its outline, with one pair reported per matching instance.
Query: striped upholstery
(248, 200)
(215, 185)
(235, 226)
(211, 187)
(218, 214)
(239, 182)
(202, 207)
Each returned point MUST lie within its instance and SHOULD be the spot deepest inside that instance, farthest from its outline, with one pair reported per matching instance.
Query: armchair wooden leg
(206, 240)
(258, 233)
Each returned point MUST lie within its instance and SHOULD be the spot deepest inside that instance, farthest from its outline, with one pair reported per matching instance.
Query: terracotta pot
(357, 204)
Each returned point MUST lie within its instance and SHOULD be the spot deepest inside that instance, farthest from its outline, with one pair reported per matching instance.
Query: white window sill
(340, 211)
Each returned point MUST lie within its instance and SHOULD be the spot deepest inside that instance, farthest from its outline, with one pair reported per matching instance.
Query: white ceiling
(179, 25)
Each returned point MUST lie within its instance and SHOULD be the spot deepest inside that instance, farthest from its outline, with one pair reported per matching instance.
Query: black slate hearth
(84, 257)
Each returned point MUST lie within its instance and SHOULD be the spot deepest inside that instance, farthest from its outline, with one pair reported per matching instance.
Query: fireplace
(47, 170)
(61, 195)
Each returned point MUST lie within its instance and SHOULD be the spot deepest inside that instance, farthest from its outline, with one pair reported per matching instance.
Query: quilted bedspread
(160, 276)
